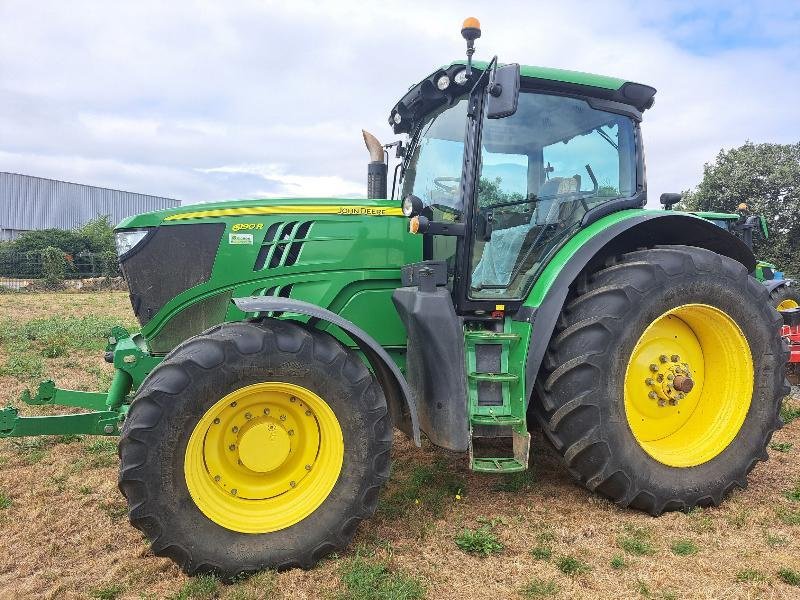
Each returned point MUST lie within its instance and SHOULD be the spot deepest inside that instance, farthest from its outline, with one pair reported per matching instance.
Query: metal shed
(28, 202)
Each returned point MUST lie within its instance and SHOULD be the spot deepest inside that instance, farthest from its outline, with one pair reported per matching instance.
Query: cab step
(496, 377)
(497, 465)
(491, 337)
(516, 458)
(496, 420)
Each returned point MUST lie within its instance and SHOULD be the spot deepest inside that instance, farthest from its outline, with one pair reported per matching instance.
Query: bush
(54, 266)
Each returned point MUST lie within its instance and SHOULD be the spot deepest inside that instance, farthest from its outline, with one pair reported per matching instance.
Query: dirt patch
(64, 534)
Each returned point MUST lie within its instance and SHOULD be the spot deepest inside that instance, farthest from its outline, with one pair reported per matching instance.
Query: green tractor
(519, 281)
(784, 294)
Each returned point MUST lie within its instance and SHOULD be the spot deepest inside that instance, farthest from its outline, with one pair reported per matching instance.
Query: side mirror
(503, 92)
(670, 199)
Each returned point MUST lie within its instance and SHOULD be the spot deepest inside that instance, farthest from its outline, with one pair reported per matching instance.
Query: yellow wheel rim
(264, 457)
(688, 385)
(788, 304)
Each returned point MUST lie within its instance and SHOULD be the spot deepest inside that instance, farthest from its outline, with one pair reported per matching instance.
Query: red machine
(791, 333)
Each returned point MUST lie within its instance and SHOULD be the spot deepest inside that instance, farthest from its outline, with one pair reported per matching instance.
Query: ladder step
(496, 420)
(496, 377)
(497, 465)
(491, 336)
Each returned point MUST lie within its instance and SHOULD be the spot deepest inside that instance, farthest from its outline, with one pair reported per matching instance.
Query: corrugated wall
(36, 203)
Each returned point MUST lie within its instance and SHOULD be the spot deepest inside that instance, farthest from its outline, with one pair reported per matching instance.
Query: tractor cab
(495, 191)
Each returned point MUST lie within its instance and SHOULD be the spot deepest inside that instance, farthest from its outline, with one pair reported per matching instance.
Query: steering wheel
(440, 182)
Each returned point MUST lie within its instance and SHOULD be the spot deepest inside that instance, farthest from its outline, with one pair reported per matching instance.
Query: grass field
(440, 531)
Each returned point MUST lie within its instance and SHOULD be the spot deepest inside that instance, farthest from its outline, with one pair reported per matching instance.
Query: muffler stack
(377, 168)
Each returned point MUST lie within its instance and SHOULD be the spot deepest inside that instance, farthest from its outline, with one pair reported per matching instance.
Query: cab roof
(426, 96)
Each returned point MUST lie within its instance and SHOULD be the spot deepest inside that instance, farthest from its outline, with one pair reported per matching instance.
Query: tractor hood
(183, 265)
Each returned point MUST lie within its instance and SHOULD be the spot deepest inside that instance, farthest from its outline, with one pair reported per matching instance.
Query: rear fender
(642, 230)
(774, 284)
(402, 406)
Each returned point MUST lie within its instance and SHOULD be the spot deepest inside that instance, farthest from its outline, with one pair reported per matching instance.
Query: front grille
(192, 320)
(170, 260)
(282, 245)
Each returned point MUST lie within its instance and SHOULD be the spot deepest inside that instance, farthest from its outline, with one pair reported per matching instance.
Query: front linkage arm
(108, 409)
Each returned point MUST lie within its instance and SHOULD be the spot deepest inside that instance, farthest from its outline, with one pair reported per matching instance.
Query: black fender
(402, 406)
(774, 284)
(644, 230)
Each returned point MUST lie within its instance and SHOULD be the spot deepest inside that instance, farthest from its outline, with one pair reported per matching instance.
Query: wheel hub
(264, 447)
(264, 457)
(671, 380)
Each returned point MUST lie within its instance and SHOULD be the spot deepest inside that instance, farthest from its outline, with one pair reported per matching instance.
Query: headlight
(127, 240)
(443, 82)
(411, 206)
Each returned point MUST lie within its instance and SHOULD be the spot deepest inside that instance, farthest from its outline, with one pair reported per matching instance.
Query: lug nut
(235, 429)
(292, 399)
(684, 384)
(217, 477)
(248, 416)
(670, 376)
(290, 432)
(216, 421)
(653, 367)
(672, 402)
(308, 413)
(661, 402)
(649, 381)
(232, 447)
(233, 404)
(293, 483)
(652, 395)
(663, 358)
(660, 378)
(308, 467)
(266, 411)
(675, 358)
(283, 417)
(234, 491)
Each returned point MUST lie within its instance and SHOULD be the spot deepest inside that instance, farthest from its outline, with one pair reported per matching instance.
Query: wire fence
(20, 271)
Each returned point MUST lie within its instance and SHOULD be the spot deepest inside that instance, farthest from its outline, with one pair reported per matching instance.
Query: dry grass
(63, 533)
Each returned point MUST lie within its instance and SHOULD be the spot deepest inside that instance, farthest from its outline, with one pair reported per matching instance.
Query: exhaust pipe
(377, 168)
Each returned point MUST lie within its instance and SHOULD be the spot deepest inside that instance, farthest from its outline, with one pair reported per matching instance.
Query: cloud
(205, 101)
(289, 185)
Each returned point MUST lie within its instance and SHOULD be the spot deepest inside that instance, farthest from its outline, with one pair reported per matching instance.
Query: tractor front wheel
(254, 446)
(663, 381)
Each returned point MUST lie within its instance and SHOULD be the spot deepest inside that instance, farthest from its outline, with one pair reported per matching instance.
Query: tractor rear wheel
(254, 446)
(785, 297)
(663, 381)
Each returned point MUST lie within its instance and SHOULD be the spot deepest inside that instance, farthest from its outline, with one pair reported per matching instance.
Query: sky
(218, 100)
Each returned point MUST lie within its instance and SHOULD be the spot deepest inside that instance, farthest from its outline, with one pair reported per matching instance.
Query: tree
(98, 234)
(766, 177)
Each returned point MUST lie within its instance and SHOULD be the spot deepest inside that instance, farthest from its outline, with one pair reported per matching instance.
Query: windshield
(433, 170)
(542, 170)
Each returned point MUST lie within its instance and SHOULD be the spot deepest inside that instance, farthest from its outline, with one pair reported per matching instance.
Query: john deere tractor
(511, 279)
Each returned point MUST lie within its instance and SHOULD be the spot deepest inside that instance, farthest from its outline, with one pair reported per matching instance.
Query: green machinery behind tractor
(519, 281)
(784, 293)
